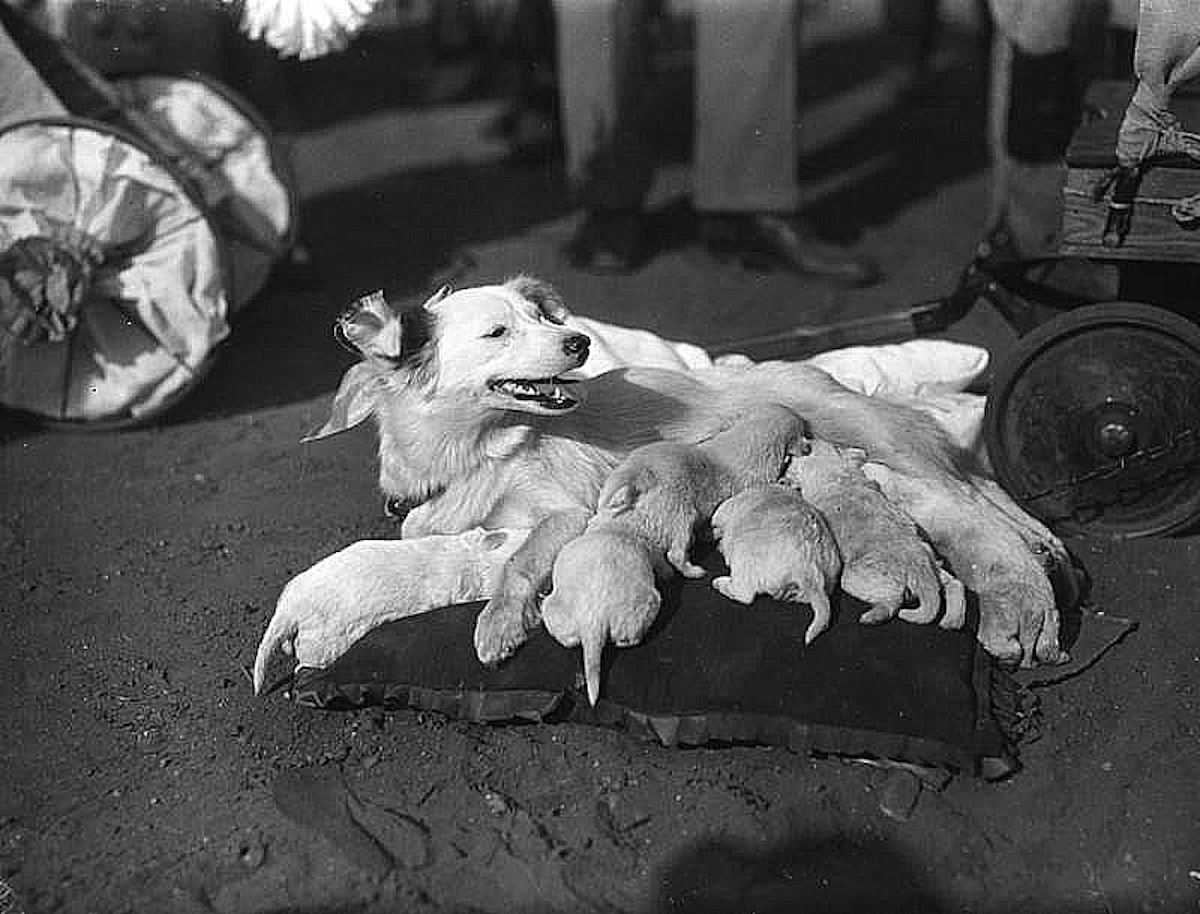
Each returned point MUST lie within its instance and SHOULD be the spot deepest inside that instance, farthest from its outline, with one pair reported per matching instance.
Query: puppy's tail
(592, 642)
(281, 633)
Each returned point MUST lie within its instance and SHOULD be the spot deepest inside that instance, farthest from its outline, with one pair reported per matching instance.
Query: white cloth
(930, 375)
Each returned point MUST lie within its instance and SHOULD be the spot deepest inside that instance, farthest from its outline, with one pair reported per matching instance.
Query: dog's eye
(496, 332)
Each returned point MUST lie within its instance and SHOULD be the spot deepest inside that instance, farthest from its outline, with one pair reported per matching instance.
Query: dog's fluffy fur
(326, 608)
(604, 590)
(475, 430)
(886, 560)
(776, 543)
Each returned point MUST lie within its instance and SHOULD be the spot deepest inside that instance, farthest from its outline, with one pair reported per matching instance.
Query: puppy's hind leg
(505, 623)
(883, 595)
(677, 555)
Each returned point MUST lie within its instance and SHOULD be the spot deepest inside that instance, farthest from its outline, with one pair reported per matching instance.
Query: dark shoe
(768, 241)
(609, 241)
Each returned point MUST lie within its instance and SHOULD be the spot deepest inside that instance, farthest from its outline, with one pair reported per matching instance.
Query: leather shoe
(609, 241)
(769, 240)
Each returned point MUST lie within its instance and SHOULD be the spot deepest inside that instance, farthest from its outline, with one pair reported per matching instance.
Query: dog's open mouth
(546, 392)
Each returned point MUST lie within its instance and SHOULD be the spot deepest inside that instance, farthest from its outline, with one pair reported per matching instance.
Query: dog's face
(507, 345)
(503, 346)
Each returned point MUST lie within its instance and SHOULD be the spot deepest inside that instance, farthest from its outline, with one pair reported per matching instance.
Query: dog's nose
(577, 345)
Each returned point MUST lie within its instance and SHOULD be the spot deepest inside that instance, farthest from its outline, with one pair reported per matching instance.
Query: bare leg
(505, 623)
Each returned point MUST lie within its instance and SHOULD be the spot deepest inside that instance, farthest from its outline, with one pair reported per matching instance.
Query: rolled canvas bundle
(135, 217)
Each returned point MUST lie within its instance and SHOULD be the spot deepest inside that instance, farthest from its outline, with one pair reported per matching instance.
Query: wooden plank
(1154, 235)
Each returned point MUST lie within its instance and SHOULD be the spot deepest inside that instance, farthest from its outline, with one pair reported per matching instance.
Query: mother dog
(478, 427)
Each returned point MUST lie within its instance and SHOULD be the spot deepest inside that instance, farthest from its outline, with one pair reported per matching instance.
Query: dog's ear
(354, 401)
(542, 294)
(375, 330)
(372, 328)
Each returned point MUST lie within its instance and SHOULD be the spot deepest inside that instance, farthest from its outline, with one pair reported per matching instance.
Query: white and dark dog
(479, 425)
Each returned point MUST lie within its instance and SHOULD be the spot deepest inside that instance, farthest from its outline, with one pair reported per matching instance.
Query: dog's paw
(1019, 623)
(500, 629)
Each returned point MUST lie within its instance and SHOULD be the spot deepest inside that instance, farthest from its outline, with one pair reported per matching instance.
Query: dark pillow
(710, 671)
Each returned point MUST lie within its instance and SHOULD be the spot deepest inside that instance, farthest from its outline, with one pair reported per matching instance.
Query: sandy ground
(139, 773)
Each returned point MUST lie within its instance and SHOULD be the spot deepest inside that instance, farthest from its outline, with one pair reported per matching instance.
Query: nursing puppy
(604, 590)
(776, 543)
(477, 426)
(667, 490)
(326, 608)
(885, 559)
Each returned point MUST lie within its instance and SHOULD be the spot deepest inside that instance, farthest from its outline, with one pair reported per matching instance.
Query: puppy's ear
(354, 401)
(620, 499)
(494, 539)
(542, 294)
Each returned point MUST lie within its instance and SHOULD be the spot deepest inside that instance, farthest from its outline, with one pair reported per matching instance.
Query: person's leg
(744, 167)
(603, 68)
(745, 148)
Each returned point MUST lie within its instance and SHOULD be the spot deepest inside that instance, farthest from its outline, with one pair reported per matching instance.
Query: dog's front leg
(514, 611)
(1019, 616)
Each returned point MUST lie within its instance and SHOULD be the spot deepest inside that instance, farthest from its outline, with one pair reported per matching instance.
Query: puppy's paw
(879, 612)
(500, 629)
(725, 587)
(926, 589)
(954, 601)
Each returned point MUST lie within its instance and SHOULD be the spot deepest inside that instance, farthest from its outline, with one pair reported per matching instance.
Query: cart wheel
(1093, 421)
(112, 291)
(219, 131)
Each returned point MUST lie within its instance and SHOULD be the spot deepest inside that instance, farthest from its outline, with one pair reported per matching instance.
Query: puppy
(604, 590)
(665, 491)
(885, 559)
(776, 543)
(325, 609)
